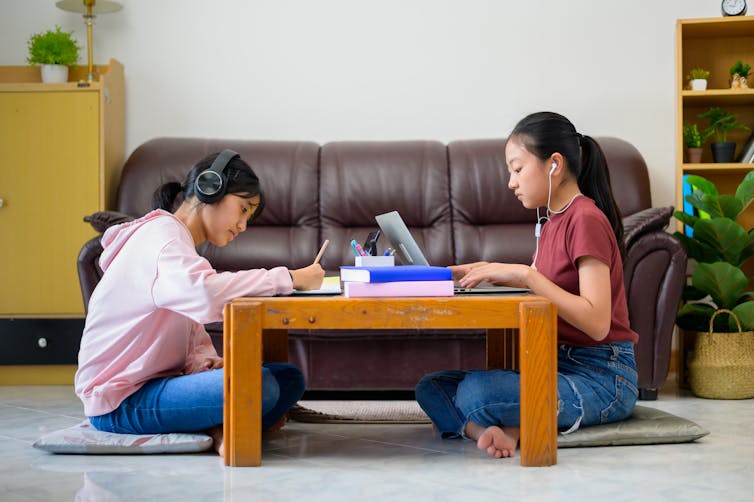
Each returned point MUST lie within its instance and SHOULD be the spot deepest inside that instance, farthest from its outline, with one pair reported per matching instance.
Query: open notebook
(408, 251)
(330, 286)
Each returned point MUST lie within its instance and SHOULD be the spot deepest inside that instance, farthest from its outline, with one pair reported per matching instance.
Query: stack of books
(402, 280)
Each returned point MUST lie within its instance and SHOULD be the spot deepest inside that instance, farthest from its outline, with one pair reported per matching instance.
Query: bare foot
(216, 433)
(497, 441)
(278, 425)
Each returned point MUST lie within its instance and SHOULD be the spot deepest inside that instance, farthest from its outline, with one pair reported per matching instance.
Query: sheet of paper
(330, 286)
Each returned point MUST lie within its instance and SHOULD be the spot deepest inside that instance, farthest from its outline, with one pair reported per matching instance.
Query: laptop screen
(400, 238)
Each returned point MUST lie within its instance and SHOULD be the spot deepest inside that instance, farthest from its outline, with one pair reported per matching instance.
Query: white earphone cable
(538, 225)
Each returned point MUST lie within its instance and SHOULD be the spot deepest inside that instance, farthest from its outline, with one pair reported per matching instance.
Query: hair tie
(580, 138)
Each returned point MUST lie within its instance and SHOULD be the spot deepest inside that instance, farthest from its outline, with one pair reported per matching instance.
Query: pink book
(397, 288)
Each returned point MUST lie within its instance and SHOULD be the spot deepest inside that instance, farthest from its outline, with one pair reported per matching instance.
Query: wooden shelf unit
(713, 44)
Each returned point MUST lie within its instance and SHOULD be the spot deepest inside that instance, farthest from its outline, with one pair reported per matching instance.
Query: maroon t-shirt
(584, 230)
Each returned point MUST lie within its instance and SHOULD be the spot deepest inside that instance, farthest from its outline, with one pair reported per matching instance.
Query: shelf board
(721, 168)
(718, 97)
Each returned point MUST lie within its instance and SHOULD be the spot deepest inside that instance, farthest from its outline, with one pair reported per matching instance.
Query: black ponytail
(545, 133)
(165, 196)
(594, 182)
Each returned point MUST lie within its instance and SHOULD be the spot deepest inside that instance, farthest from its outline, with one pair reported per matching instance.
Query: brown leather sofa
(455, 200)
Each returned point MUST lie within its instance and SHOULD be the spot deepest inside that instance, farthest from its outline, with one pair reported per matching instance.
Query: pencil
(321, 251)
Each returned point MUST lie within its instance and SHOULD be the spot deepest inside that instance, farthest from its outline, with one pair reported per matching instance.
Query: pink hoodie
(146, 315)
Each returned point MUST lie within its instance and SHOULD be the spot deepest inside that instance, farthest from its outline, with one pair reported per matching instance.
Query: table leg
(242, 427)
(539, 383)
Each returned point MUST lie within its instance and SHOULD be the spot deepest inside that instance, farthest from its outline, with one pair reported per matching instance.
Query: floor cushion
(645, 426)
(85, 439)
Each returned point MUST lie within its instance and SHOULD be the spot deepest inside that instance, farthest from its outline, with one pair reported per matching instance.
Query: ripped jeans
(596, 385)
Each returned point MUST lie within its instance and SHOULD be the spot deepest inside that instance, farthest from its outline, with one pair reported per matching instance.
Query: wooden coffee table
(256, 329)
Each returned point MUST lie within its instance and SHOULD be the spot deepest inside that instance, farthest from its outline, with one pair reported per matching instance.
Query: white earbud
(552, 169)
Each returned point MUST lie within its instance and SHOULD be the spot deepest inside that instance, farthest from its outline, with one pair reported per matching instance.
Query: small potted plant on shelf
(717, 306)
(720, 122)
(694, 140)
(54, 50)
(739, 74)
(697, 78)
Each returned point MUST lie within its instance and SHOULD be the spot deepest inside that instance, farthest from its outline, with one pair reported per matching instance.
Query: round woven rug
(361, 412)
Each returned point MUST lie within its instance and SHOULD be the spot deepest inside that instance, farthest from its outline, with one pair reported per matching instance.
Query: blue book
(391, 274)
(687, 207)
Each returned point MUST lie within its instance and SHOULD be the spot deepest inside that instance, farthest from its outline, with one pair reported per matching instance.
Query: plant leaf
(694, 317)
(726, 237)
(699, 251)
(722, 281)
(745, 190)
(686, 218)
(730, 206)
(702, 184)
(745, 314)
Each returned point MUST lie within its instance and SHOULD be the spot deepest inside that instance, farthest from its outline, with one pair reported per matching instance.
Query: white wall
(392, 69)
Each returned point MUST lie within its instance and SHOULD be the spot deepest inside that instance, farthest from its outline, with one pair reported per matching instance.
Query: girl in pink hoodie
(146, 363)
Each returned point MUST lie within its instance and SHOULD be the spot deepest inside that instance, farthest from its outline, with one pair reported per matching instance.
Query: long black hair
(240, 178)
(545, 133)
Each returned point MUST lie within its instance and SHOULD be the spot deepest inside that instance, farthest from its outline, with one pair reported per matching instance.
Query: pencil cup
(375, 261)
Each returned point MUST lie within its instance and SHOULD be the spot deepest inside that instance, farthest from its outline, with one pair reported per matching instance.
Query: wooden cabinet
(713, 44)
(62, 150)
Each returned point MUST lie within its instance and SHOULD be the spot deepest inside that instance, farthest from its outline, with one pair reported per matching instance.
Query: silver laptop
(409, 253)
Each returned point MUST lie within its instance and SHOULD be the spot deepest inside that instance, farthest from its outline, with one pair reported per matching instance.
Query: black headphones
(210, 185)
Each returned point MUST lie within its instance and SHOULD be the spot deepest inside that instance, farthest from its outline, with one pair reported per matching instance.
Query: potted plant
(720, 122)
(717, 302)
(55, 50)
(694, 140)
(697, 78)
(739, 73)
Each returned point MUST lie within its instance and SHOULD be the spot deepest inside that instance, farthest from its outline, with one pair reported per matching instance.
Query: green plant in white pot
(697, 78)
(720, 246)
(54, 50)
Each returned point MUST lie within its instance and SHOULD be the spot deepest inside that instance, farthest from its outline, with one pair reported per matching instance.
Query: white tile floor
(378, 462)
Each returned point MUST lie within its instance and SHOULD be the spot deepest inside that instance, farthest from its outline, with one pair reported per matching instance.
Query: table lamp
(89, 8)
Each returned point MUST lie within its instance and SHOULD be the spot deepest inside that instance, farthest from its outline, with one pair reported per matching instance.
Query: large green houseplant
(720, 246)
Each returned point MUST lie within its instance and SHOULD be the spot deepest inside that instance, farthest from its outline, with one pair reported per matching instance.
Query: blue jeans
(596, 385)
(193, 403)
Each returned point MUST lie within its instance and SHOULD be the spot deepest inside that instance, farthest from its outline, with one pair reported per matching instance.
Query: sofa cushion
(359, 180)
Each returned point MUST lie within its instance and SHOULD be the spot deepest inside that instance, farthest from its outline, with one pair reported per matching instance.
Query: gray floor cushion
(645, 426)
(85, 439)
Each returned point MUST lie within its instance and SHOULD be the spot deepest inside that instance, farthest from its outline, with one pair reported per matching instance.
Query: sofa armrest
(654, 273)
(102, 220)
(646, 221)
(88, 269)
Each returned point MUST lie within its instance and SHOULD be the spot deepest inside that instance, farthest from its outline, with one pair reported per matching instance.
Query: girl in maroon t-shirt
(578, 265)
